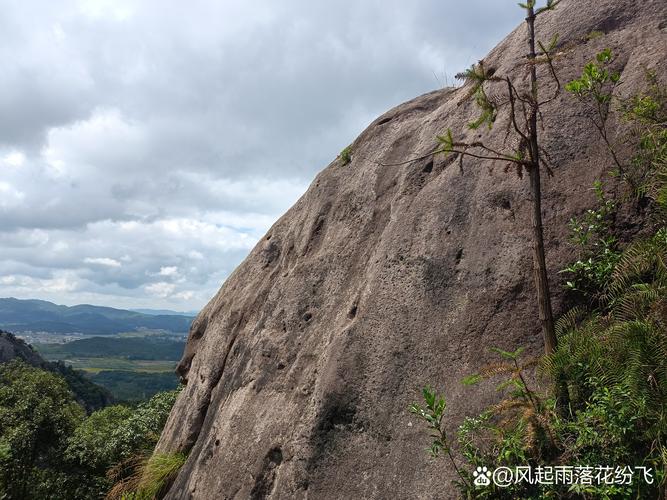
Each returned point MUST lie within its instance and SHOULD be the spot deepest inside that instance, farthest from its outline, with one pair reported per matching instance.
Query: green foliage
(595, 90)
(140, 432)
(614, 363)
(148, 348)
(550, 5)
(597, 247)
(346, 155)
(516, 431)
(432, 413)
(118, 438)
(595, 224)
(478, 74)
(37, 414)
(446, 141)
(646, 174)
(604, 432)
(47, 445)
(90, 395)
(91, 444)
(160, 470)
(610, 422)
(133, 386)
(596, 81)
(594, 35)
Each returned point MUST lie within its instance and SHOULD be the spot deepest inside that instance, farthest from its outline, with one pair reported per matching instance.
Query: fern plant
(623, 349)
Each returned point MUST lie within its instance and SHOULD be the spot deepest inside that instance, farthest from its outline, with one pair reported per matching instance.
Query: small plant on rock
(346, 155)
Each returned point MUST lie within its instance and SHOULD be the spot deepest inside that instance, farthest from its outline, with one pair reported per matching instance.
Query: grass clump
(151, 478)
(594, 34)
(346, 155)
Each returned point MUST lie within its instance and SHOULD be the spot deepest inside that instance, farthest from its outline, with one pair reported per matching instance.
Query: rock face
(382, 279)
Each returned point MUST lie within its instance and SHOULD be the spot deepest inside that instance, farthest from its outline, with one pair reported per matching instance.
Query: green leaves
(435, 407)
(596, 81)
(509, 355)
(551, 4)
(346, 155)
(598, 254)
(604, 57)
(473, 379)
(433, 414)
(446, 141)
(91, 444)
(37, 413)
(548, 49)
(478, 74)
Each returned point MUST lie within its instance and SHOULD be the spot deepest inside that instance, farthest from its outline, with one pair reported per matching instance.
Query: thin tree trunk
(539, 261)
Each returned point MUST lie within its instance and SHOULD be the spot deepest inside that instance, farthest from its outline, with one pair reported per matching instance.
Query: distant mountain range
(165, 312)
(18, 315)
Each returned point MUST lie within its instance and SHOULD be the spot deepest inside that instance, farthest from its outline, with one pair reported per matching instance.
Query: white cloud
(102, 261)
(161, 289)
(104, 140)
(106, 9)
(14, 159)
(144, 150)
(59, 285)
(168, 271)
(186, 295)
(195, 255)
(9, 195)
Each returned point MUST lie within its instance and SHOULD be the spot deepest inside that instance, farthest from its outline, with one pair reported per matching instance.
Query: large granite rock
(382, 279)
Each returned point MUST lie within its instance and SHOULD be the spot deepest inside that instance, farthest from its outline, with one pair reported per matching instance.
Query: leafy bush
(47, 444)
(519, 430)
(89, 394)
(645, 174)
(614, 363)
(346, 155)
(91, 445)
(597, 247)
(37, 414)
(133, 386)
(140, 432)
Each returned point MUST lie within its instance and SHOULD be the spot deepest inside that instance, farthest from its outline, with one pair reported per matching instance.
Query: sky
(147, 145)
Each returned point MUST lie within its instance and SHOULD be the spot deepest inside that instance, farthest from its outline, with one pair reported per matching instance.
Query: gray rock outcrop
(380, 280)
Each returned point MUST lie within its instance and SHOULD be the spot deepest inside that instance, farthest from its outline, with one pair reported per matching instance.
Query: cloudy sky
(145, 146)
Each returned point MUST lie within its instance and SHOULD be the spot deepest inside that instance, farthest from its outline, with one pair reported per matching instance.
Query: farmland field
(132, 367)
